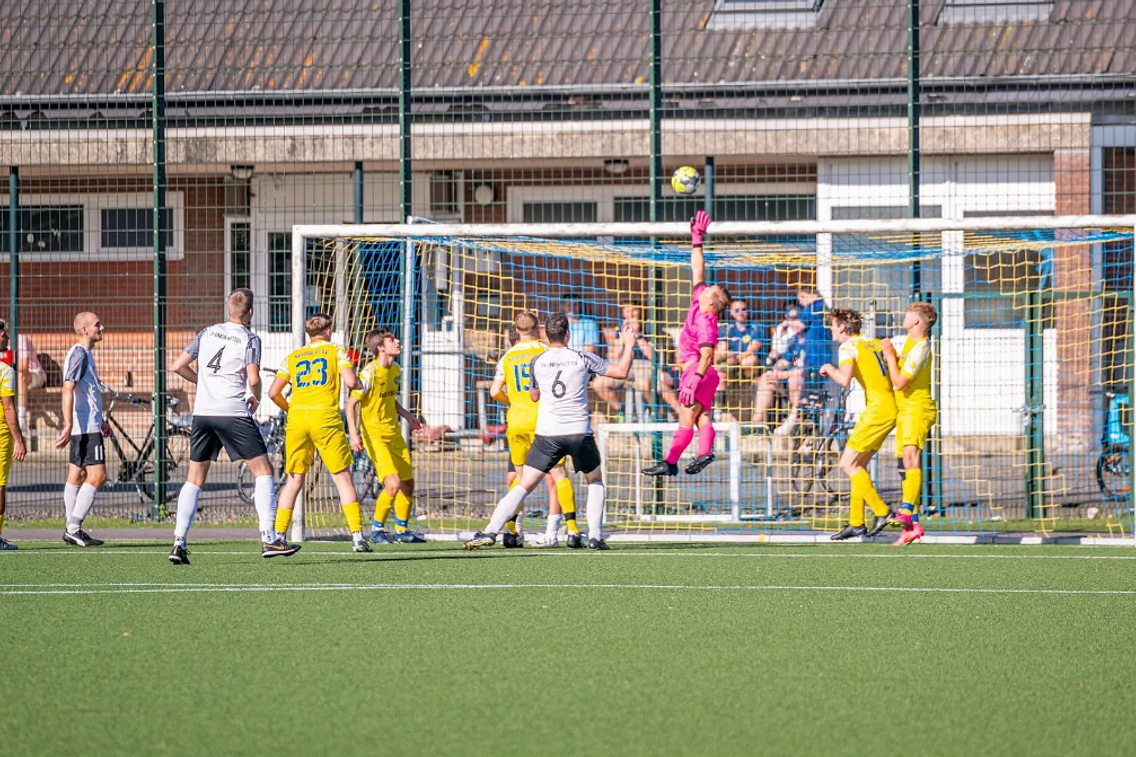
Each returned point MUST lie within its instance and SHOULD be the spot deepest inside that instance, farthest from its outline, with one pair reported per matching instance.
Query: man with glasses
(740, 341)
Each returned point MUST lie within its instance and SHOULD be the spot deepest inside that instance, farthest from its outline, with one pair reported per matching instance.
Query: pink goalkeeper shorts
(705, 394)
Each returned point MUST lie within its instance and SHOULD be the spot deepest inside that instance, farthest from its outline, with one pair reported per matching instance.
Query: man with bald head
(83, 429)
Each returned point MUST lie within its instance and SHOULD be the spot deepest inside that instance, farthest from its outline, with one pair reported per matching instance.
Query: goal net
(1033, 364)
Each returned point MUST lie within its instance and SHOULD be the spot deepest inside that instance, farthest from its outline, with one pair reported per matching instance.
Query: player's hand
(628, 334)
(827, 370)
(356, 443)
(687, 388)
(415, 425)
(64, 437)
(698, 226)
(19, 451)
(105, 429)
(253, 403)
(887, 347)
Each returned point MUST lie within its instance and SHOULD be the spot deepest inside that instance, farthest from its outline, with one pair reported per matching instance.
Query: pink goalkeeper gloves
(687, 386)
(698, 226)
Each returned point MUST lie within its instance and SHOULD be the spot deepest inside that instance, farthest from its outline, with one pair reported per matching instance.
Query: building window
(560, 212)
(764, 14)
(240, 255)
(726, 208)
(319, 292)
(987, 11)
(46, 228)
(133, 228)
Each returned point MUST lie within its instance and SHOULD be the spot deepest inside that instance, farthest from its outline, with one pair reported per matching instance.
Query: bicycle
(136, 466)
(818, 441)
(1114, 465)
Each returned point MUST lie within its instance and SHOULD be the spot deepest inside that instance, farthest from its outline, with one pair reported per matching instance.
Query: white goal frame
(417, 230)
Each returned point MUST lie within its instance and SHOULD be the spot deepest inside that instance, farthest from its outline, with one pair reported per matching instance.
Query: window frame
(764, 14)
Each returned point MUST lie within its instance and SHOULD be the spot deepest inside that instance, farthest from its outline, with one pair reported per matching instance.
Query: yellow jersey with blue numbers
(870, 369)
(313, 371)
(514, 370)
(915, 366)
(377, 399)
(7, 389)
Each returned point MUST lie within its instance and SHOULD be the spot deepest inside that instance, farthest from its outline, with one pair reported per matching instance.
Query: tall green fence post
(158, 120)
(1034, 412)
(14, 262)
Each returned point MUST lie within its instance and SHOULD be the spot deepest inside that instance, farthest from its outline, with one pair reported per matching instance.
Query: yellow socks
(856, 512)
(566, 498)
(912, 486)
(352, 512)
(382, 508)
(401, 512)
(283, 520)
(862, 485)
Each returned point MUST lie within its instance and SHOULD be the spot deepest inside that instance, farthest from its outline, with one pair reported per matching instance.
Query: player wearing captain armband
(910, 373)
(862, 358)
(382, 436)
(316, 372)
(511, 386)
(696, 345)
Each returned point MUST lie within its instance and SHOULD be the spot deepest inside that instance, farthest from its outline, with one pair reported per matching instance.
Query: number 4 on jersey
(215, 361)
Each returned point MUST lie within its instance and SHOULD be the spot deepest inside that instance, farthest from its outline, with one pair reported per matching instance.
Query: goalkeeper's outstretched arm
(698, 226)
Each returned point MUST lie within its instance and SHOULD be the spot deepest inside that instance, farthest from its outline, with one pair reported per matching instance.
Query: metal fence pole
(158, 120)
(14, 265)
(406, 200)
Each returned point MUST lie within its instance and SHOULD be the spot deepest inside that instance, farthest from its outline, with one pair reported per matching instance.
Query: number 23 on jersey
(311, 373)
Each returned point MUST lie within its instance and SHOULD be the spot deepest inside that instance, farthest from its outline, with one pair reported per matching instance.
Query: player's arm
(898, 380)
(698, 226)
(252, 371)
(622, 369)
(183, 368)
(497, 390)
(350, 411)
(534, 388)
(411, 419)
(12, 417)
(276, 391)
(841, 375)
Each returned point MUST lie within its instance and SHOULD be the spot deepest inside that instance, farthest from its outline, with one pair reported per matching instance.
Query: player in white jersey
(559, 382)
(228, 392)
(83, 429)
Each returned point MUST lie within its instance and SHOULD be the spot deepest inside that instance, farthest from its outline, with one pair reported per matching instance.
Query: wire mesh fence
(276, 114)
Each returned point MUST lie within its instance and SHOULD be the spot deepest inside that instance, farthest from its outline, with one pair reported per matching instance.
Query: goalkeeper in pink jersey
(696, 346)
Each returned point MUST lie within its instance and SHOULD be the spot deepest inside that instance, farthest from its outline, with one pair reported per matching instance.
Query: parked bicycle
(136, 458)
(1114, 466)
(818, 441)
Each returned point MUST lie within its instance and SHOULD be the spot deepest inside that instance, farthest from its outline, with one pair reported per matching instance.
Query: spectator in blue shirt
(785, 368)
(583, 332)
(740, 340)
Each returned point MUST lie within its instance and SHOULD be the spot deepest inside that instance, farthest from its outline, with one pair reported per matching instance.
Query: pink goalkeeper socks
(706, 436)
(680, 442)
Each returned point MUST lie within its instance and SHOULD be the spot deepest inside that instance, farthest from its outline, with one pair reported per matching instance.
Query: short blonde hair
(239, 302)
(317, 324)
(926, 311)
(722, 297)
(529, 316)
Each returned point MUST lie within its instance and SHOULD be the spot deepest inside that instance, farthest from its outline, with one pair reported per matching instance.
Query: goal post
(1033, 359)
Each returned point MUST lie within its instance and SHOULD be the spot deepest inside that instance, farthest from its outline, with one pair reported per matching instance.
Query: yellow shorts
(7, 449)
(871, 430)
(309, 431)
(912, 427)
(390, 455)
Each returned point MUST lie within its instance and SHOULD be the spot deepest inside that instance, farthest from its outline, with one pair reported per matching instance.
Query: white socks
(187, 508)
(596, 494)
(264, 497)
(508, 505)
(70, 492)
(83, 501)
(553, 524)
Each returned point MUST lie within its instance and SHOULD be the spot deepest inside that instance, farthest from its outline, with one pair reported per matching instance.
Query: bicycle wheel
(177, 463)
(246, 484)
(826, 464)
(1114, 472)
(802, 461)
(366, 480)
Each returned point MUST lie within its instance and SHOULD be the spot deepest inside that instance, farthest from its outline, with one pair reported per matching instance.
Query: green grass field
(662, 650)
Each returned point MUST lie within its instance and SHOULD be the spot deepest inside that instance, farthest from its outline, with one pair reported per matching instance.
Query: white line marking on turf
(228, 588)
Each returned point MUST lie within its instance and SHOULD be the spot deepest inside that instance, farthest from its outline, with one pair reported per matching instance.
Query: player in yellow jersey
(863, 359)
(910, 373)
(11, 440)
(316, 372)
(511, 386)
(382, 436)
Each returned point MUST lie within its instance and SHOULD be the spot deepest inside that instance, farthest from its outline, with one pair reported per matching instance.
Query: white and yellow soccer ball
(685, 180)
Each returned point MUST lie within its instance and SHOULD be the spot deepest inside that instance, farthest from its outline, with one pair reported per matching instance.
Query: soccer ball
(685, 180)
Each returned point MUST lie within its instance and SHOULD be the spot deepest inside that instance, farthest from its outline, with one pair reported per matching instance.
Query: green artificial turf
(660, 650)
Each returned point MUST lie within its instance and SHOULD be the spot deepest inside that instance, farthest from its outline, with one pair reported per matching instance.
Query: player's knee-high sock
(353, 514)
(264, 497)
(70, 493)
(506, 509)
(383, 506)
(187, 508)
(566, 498)
(863, 482)
(706, 436)
(912, 486)
(83, 504)
(679, 444)
(856, 508)
(401, 512)
(596, 494)
(511, 524)
(283, 520)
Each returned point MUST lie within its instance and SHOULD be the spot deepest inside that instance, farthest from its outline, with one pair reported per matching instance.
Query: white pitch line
(237, 588)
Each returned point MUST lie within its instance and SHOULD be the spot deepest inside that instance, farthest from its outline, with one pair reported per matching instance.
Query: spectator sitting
(740, 341)
(583, 333)
(785, 331)
(608, 389)
(788, 367)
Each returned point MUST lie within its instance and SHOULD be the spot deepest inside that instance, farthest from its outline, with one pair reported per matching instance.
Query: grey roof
(101, 48)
